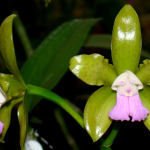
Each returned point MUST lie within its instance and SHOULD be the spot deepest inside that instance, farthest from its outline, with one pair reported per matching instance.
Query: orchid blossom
(12, 86)
(128, 99)
(125, 92)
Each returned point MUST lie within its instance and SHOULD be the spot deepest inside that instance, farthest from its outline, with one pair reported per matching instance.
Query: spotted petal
(96, 111)
(93, 69)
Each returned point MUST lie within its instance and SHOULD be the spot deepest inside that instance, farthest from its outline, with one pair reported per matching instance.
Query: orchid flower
(125, 92)
(128, 99)
(12, 86)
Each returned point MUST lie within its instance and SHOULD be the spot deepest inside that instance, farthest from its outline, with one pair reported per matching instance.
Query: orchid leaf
(96, 111)
(5, 115)
(126, 40)
(23, 121)
(7, 47)
(50, 61)
(98, 41)
(144, 95)
(143, 72)
(93, 69)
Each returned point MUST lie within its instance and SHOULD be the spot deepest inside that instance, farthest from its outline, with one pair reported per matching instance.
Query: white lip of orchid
(3, 97)
(127, 84)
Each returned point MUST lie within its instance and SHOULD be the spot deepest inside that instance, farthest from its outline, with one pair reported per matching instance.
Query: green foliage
(98, 41)
(50, 61)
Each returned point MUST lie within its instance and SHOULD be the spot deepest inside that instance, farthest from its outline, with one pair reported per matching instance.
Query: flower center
(128, 89)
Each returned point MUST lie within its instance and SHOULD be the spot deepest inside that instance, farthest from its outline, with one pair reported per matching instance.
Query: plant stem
(103, 147)
(108, 142)
(56, 99)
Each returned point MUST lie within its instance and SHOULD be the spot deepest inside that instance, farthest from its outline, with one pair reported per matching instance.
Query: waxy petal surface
(23, 121)
(5, 115)
(145, 98)
(126, 40)
(93, 69)
(12, 87)
(96, 111)
(143, 72)
(7, 47)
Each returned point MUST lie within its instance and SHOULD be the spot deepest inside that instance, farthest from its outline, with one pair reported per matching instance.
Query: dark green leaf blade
(51, 59)
(98, 41)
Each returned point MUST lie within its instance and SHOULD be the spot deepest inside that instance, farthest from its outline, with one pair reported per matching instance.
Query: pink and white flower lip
(1, 127)
(128, 102)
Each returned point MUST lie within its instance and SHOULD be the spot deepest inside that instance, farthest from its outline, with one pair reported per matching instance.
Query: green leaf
(7, 47)
(126, 40)
(49, 95)
(5, 115)
(50, 61)
(93, 69)
(96, 111)
(145, 98)
(23, 121)
(143, 72)
(98, 41)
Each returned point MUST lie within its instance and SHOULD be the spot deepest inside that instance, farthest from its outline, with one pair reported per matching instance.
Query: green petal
(23, 121)
(93, 69)
(7, 47)
(126, 40)
(5, 115)
(145, 98)
(143, 72)
(96, 111)
(12, 87)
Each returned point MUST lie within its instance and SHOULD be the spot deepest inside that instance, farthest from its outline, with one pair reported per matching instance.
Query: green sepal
(143, 72)
(7, 47)
(96, 111)
(23, 121)
(145, 98)
(5, 115)
(93, 69)
(126, 40)
(11, 86)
